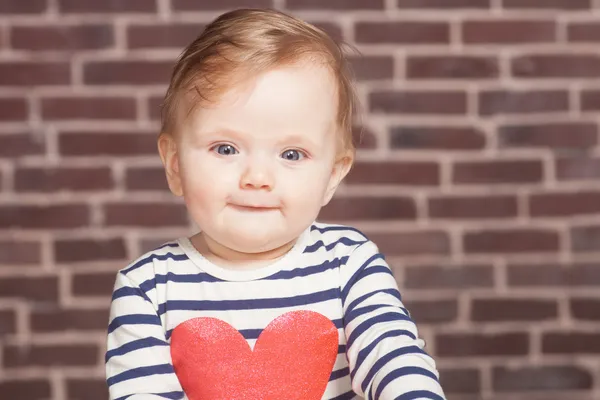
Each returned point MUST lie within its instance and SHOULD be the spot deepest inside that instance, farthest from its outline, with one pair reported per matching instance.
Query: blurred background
(478, 175)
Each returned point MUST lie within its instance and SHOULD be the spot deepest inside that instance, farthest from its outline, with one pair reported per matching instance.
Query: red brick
(511, 241)
(497, 102)
(93, 6)
(50, 356)
(498, 172)
(460, 380)
(363, 137)
(89, 108)
(335, 4)
(441, 277)
(411, 173)
(473, 207)
(127, 72)
(433, 311)
(553, 275)
(17, 252)
(30, 389)
(402, 32)
(550, 378)
(61, 179)
(373, 67)
(451, 67)
(548, 4)
(578, 135)
(590, 100)
(511, 309)
(564, 204)
(21, 144)
(426, 242)
(362, 208)
(583, 32)
(58, 320)
(192, 5)
(154, 106)
(146, 179)
(13, 109)
(163, 35)
(579, 167)
(571, 342)
(87, 389)
(482, 345)
(513, 32)
(62, 37)
(442, 4)
(93, 284)
(436, 138)
(331, 28)
(585, 238)
(107, 144)
(585, 309)
(557, 66)
(145, 214)
(44, 217)
(44, 289)
(418, 102)
(32, 73)
(78, 250)
(23, 7)
(8, 324)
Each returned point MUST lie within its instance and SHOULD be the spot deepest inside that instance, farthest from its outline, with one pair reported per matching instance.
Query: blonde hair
(240, 45)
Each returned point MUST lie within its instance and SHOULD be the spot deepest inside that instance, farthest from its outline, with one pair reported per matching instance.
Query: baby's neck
(228, 258)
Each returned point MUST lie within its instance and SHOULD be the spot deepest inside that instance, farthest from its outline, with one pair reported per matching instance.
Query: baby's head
(257, 128)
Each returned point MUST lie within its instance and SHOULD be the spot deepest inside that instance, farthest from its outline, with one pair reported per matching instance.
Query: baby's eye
(225, 149)
(293, 155)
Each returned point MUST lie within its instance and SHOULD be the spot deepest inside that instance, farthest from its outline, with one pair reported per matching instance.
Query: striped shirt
(332, 270)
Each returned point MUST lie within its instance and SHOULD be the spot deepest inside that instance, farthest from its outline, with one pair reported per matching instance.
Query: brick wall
(478, 176)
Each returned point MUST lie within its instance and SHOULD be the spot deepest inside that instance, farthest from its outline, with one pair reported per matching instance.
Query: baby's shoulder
(336, 238)
(154, 262)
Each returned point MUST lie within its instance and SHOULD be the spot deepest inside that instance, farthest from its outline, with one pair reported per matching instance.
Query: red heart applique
(292, 358)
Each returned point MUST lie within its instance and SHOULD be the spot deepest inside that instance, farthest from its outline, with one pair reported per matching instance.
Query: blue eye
(293, 155)
(225, 149)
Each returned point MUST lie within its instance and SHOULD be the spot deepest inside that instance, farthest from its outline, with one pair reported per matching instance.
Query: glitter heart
(292, 358)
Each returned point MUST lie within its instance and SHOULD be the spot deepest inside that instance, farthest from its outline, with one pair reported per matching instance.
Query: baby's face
(257, 167)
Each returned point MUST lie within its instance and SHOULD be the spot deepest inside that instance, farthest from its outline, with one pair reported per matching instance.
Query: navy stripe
(363, 326)
(134, 319)
(385, 359)
(343, 240)
(127, 291)
(135, 345)
(151, 258)
(139, 372)
(167, 245)
(310, 270)
(346, 396)
(397, 373)
(336, 228)
(349, 317)
(248, 304)
(364, 353)
(419, 394)
(357, 274)
(394, 292)
(168, 395)
(340, 373)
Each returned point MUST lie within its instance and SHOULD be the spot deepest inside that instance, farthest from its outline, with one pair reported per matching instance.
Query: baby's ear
(167, 148)
(340, 169)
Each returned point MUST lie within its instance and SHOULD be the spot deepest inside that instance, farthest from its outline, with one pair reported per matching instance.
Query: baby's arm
(386, 356)
(138, 357)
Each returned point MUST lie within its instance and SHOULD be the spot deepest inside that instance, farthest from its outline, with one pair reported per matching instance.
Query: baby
(264, 302)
